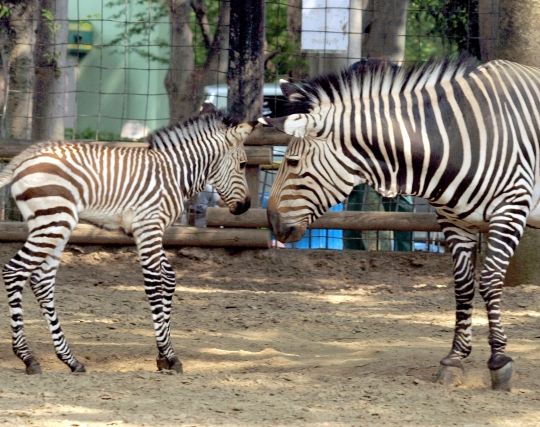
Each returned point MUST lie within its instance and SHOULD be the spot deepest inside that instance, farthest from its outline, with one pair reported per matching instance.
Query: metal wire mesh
(126, 67)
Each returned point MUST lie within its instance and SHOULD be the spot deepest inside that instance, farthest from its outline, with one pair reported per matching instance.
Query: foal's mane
(370, 78)
(190, 130)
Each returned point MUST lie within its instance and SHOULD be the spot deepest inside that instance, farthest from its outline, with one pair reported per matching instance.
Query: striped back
(96, 181)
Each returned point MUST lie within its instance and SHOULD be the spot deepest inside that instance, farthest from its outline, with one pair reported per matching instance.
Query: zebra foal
(463, 135)
(140, 191)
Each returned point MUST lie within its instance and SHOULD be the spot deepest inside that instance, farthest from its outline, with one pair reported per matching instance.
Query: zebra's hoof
(78, 368)
(33, 367)
(501, 376)
(451, 372)
(172, 364)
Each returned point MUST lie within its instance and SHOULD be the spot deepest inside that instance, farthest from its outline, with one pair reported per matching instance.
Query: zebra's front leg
(463, 245)
(149, 238)
(42, 282)
(169, 285)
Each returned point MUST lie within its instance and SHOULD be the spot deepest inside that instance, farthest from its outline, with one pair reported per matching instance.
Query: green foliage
(200, 50)
(48, 17)
(5, 10)
(284, 49)
(92, 135)
(136, 34)
(441, 27)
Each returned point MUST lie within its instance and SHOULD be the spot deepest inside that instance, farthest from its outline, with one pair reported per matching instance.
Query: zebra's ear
(295, 125)
(208, 108)
(291, 91)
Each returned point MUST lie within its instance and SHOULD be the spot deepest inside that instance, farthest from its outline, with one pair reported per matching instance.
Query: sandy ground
(268, 338)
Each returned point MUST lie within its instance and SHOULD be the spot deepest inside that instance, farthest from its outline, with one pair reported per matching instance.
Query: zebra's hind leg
(505, 231)
(149, 239)
(42, 283)
(463, 245)
(16, 273)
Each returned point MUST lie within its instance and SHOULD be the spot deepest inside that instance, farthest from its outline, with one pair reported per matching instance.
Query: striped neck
(193, 146)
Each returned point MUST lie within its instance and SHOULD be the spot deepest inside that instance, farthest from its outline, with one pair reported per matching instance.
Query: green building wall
(115, 84)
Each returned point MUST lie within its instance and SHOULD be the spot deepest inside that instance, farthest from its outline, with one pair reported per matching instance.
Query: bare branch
(199, 8)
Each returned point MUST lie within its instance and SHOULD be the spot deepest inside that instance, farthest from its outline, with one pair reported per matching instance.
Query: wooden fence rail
(246, 230)
(256, 155)
(174, 236)
(348, 220)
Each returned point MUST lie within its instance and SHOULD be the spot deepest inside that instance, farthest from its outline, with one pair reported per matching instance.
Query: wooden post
(246, 71)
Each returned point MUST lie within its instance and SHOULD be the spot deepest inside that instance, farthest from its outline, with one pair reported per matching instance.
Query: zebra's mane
(371, 78)
(189, 130)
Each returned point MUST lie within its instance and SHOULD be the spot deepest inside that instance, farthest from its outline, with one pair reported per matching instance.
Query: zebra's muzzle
(240, 207)
(285, 233)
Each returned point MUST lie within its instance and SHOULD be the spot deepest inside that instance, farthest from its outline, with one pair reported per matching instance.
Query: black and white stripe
(138, 190)
(461, 134)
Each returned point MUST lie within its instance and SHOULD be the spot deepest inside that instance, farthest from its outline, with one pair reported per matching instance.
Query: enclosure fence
(115, 70)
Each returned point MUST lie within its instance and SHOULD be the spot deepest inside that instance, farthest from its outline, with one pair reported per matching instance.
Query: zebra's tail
(6, 175)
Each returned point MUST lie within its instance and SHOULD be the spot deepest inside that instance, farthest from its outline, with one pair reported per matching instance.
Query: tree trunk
(294, 32)
(184, 82)
(385, 24)
(519, 32)
(246, 60)
(182, 61)
(50, 79)
(17, 36)
(488, 19)
(246, 71)
(217, 61)
(519, 40)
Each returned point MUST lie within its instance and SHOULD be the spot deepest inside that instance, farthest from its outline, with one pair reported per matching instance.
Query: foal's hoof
(501, 367)
(451, 372)
(33, 367)
(172, 364)
(77, 368)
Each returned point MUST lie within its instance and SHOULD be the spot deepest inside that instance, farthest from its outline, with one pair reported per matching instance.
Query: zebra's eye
(242, 165)
(293, 162)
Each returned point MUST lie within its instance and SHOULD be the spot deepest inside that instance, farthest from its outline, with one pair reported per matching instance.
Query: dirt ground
(268, 338)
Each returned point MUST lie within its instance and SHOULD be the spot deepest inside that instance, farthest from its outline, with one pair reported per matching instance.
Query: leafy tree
(442, 27)
(283, 25)
(197, 45)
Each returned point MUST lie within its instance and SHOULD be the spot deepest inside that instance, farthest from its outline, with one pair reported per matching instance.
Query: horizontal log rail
(9, 148)
(347, 220)
(174, 236)
(264, 135)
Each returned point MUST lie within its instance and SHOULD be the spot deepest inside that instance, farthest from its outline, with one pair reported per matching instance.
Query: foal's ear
(208, 108)
(297, 125)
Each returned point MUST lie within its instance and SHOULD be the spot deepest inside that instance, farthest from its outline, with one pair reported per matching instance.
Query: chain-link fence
(118, 69)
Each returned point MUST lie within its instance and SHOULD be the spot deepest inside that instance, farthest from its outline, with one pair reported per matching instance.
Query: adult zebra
(461, 134)
(138, 190)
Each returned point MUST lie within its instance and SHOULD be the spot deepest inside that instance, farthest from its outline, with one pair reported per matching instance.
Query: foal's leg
(463, 245)
(16, 273)
(168, 281)
(157, 284)
(38, 261)
(42, 282)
